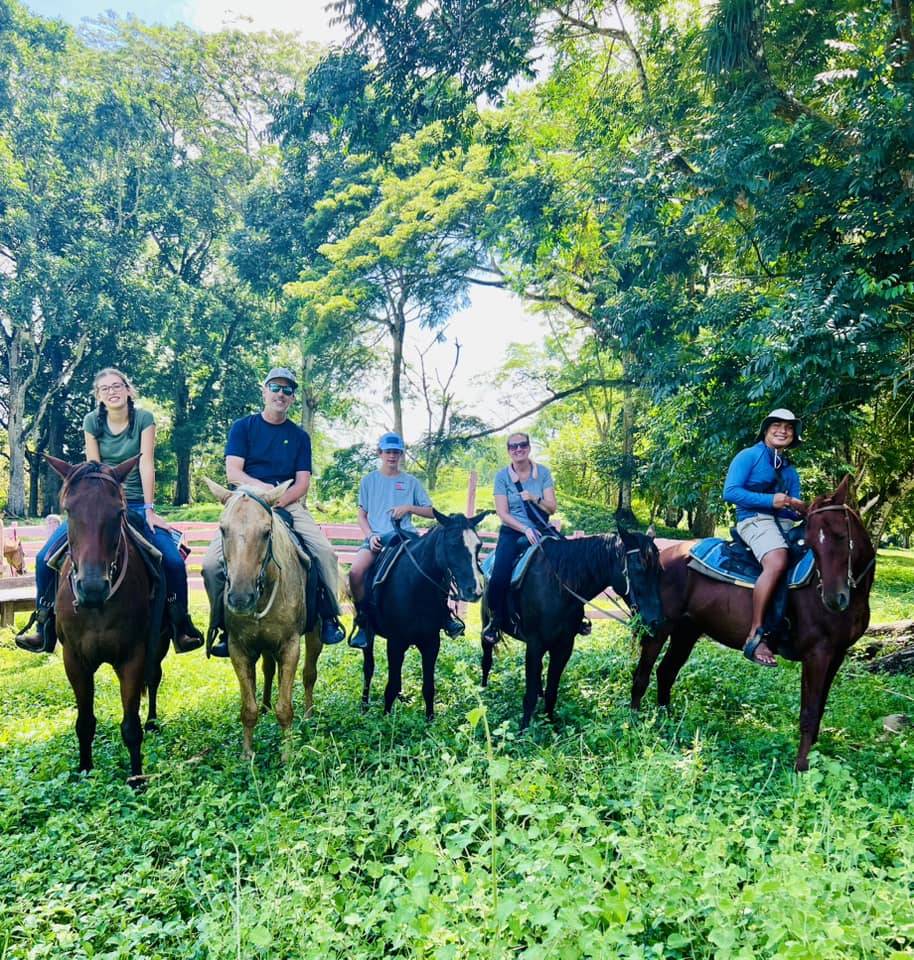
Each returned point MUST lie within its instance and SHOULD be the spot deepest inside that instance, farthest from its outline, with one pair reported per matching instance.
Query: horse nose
(840, 601)
(241, 601)
(91, 591)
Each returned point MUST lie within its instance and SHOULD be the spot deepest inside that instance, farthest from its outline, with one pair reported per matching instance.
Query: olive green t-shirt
(115, 448)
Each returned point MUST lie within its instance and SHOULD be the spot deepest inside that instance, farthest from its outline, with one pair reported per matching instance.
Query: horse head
(642, 566)
(246, 527)
(842, 548)
(458, 552)
(94, 502)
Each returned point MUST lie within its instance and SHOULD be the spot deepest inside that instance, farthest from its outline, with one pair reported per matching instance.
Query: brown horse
(827, 615)
(265, 605)
(105, 606)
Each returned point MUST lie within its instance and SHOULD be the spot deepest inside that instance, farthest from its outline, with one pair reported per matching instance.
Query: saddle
(733, 562)
(393, 546)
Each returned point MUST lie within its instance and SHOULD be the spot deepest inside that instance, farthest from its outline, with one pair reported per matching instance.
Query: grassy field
(682, 835)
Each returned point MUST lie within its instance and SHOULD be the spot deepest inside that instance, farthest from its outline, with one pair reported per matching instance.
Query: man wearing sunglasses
(262, 451)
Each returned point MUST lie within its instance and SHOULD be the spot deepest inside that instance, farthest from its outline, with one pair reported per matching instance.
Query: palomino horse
(561, 576)
(265, 604)
(105, 607)
(412, 603)
(827, 616)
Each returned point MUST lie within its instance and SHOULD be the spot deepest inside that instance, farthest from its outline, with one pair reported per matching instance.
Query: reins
(449, 594)
(115, 569)
(268, 556)
(852, 581)
(626, 618)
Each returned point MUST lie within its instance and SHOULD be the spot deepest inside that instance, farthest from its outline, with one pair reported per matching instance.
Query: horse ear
(442, 518)
(271, 496)
(60, 467)
(840, 495)
(479, 516)
(222, 494)
(122, 470)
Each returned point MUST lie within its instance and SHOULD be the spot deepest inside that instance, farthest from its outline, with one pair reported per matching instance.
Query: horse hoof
(138, 782)
(152, 726)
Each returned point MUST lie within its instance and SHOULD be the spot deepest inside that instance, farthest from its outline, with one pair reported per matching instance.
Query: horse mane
(570, 558)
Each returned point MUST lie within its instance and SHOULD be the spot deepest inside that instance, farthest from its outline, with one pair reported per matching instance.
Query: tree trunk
(15, 504)
(702, 520)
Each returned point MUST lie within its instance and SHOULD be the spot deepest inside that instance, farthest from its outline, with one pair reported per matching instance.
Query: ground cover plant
(682, 835)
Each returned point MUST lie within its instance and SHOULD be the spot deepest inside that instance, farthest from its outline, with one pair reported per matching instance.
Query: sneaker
(359, 640)
(332, 632)
(455, 628)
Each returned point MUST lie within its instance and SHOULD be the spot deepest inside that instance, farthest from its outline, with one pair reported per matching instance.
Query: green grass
(671, 835)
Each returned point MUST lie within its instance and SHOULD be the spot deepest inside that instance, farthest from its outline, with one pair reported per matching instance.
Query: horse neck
(425, 552)
(602, 566)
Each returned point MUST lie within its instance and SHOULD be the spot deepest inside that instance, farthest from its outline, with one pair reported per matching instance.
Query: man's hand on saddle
(400, 511)
(374, 543)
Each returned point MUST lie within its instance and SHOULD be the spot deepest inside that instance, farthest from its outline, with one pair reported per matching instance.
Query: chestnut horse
(265, 604)
(827, 615)
(106, 611)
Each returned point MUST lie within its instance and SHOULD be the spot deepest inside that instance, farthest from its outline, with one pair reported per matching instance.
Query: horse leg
(395, 655)
(533, 673)
(130, 677)
(367, 669)
(429, 653)
(558, 659)
(268, 668)
(486, 662)
(650, 650)
(819, 669)
(83, 684)
(313, 647)
(284, 710)
(246, 671)
(682, 641)
(152, 691)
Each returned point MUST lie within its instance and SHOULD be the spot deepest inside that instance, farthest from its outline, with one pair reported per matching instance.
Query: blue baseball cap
(391, 441)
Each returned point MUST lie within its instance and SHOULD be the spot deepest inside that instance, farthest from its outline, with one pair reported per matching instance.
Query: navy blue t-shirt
(272, 453)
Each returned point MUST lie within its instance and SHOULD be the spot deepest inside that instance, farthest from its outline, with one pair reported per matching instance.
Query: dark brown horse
(827, 615)
(105, 607)
(562, 575)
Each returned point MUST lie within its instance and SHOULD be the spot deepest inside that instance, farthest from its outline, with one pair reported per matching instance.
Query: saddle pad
(385, 562)
(520, 566)
(726, 561)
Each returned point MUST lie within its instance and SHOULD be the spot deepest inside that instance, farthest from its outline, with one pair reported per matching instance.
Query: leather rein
(116, 571)
(268, 556)
(852, 581)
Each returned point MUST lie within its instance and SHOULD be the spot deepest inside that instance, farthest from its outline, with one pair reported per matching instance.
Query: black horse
(411, 605)
(549, 604)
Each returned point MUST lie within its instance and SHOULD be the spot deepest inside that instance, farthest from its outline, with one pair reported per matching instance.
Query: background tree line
(710, 205)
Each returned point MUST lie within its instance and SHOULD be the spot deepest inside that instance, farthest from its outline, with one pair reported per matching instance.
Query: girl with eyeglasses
(524, 500)
(115, 431)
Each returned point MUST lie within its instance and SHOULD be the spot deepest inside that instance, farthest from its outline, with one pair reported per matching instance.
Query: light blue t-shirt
(378, 495)
(537, 485)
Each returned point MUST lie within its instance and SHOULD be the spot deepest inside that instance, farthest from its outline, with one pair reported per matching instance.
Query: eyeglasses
(112, 388)
(519, 446)
(278, 388)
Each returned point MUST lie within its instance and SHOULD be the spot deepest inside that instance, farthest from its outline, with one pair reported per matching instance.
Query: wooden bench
(16, 595)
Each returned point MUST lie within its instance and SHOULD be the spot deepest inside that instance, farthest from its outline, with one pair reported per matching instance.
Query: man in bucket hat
(262, 451)
(765, 488)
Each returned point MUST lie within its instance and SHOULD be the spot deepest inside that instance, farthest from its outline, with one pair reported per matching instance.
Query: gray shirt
(378, 495)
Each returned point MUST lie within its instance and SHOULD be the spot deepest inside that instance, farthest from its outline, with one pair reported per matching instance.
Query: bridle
(116, 571)
(268, 556)
(852, 581)
(450, 593)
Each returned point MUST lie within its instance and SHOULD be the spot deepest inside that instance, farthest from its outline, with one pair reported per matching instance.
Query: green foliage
(680, 835)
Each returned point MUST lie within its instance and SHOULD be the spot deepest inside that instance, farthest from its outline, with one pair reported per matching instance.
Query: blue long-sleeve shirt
(752, 482)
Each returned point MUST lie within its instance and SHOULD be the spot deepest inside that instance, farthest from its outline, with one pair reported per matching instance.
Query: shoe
(585, 629)
(752, 645)
(187, 642)
(455, 628)
(33, 643)
(220, 648)
(359, 640)
(332, 632)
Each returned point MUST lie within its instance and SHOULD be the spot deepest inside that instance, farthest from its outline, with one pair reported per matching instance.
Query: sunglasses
(278, 388)
(518, 446)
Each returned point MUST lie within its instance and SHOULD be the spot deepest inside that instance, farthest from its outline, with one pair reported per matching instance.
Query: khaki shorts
(762, 534)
